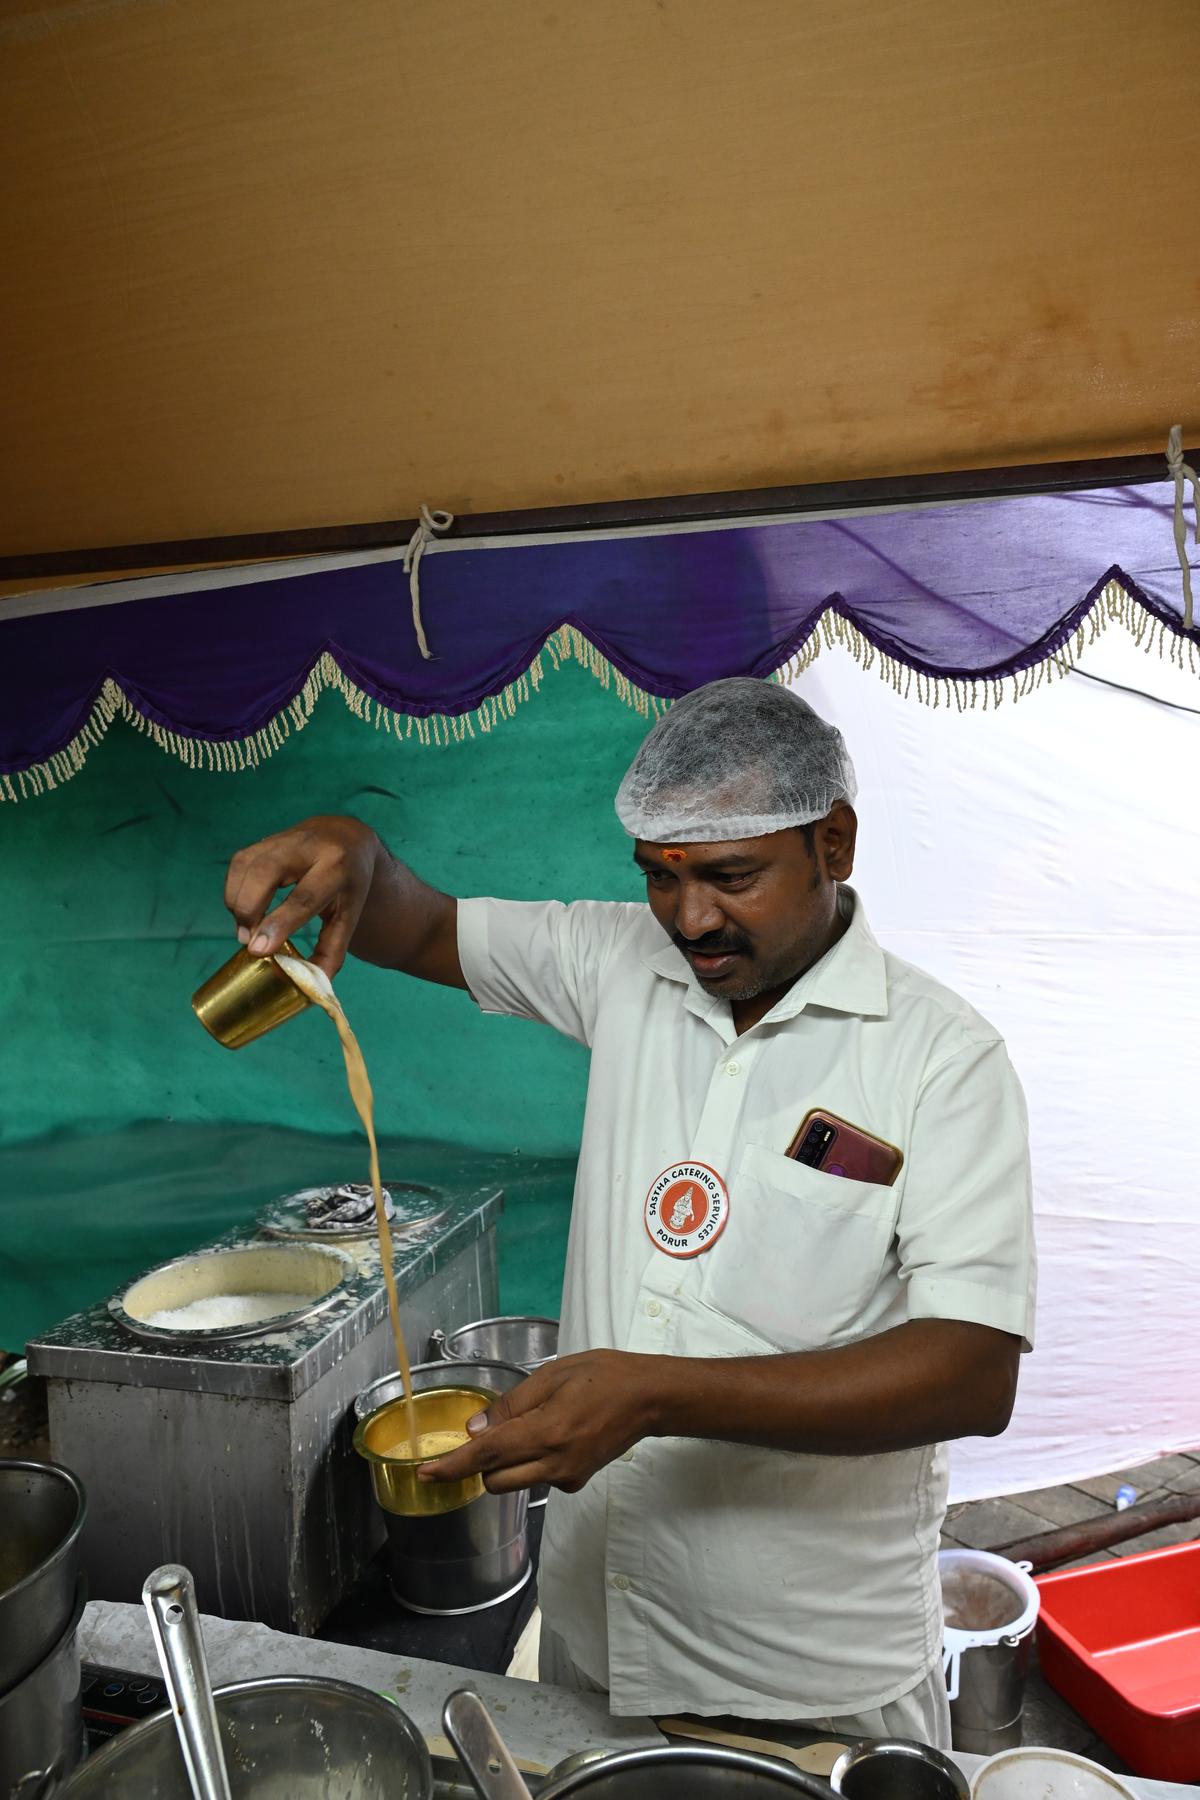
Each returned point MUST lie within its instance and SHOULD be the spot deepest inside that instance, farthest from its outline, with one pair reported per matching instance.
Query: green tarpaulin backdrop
(127, 1135)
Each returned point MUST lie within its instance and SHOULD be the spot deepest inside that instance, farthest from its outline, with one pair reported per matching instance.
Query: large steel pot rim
(56, 1649)
(231, 1334)
(574, 1777)
(66, 1545)
(281, 1687)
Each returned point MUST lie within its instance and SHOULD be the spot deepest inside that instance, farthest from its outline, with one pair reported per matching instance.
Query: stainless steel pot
(42, 1509)
(525, 1342)
(986, 1713)
(475, 1556)
(463, 1561)
(41, 1723)
(524, 1339)
(681, 1772)
(897, 1769)
(287, 1737)
(315, 1271)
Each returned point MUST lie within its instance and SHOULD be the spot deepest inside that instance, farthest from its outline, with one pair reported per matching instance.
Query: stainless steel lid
(345, 1211)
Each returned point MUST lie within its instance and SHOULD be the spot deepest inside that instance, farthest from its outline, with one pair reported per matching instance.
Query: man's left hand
(568, 1419)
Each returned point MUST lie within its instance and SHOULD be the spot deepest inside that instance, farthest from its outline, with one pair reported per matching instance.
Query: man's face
(752, 914)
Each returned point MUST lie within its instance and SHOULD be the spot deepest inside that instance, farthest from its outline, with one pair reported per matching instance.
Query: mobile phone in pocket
(836, 1147)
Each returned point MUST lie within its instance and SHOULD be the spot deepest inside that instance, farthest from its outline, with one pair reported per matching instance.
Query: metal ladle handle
(483, 1753)
(169, 1597)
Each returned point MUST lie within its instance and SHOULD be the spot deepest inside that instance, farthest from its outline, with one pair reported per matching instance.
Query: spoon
(481, 1750)
(169, 1596)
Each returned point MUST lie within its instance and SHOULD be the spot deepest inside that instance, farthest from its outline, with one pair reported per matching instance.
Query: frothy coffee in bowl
(316, 985)
(429, 1444)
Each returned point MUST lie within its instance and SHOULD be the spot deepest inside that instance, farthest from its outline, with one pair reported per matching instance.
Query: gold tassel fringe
(233, 755)
(1112, 606)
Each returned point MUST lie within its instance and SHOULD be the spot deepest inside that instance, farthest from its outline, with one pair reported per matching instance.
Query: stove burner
(114, 1698)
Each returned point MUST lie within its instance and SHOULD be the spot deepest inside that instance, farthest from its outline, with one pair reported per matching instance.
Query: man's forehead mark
(674, 856)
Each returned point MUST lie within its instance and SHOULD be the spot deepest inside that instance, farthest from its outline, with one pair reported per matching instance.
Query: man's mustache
(711, 946)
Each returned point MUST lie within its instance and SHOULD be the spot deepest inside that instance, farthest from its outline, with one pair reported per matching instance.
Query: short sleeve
(965, 1230)
(541, 959)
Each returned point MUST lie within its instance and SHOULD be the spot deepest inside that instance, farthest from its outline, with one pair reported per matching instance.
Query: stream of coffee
(319, 989)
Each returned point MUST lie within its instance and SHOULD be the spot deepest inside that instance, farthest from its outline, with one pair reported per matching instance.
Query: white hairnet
(735, 759)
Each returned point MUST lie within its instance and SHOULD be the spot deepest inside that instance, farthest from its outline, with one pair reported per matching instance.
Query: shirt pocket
(802, 1253)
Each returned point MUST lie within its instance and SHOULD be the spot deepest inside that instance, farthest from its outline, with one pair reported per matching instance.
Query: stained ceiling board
(305, 262)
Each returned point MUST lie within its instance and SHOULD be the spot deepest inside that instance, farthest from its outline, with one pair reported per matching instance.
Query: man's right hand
(329, 863)
(339, 872)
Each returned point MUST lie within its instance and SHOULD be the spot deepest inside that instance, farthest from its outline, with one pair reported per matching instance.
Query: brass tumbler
(248, 997)
(397, 1485)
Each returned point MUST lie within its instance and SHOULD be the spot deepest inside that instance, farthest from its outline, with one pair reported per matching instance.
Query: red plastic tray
(1120, 1641)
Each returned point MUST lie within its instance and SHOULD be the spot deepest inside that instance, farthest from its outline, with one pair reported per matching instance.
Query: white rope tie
(1181, 473)
(428, 526)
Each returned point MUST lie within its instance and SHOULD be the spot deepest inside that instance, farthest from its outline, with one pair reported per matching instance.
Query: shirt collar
(850, 978)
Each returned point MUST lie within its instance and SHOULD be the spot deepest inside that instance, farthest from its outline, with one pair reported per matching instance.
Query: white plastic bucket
(985, 1666)
(1015, 1577)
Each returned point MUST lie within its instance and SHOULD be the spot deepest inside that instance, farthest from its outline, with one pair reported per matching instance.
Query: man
(746, 1423)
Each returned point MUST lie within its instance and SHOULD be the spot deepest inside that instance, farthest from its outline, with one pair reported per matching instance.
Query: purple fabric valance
(966, 592)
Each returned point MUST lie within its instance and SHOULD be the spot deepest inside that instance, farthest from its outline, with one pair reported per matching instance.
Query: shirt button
(733, 1068)
(653, 1308)
(621, 1583)
(628, 1456)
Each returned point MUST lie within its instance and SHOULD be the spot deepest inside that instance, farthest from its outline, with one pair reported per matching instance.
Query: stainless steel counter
(541, 1724)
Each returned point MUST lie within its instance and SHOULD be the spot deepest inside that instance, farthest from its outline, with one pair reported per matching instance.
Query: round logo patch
(686, 1208)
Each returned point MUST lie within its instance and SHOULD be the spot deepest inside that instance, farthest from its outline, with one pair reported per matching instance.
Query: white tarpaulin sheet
(1044, 861)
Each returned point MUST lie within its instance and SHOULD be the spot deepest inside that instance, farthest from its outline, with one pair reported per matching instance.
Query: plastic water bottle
(1126, 1496)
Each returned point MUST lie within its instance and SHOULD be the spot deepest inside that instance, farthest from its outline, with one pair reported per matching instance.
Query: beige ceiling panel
(276, 263)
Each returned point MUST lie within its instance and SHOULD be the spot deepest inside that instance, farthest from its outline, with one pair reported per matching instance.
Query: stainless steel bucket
(42, 1509)
(523, 1339)
(985, 1716)
(991, 1608)
(681, 1772)
(462, 1561)
(287, 1737)
(41, 1723)
(475, 1556)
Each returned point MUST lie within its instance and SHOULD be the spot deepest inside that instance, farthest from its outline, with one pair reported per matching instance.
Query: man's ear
(834, 838)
